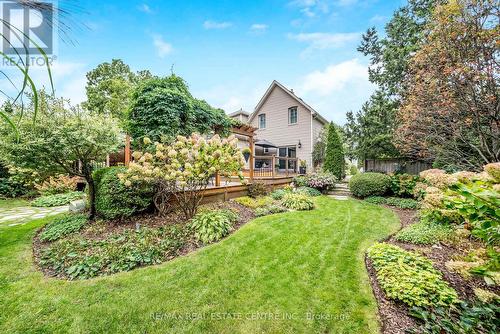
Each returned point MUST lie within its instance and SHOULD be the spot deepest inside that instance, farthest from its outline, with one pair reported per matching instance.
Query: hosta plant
(211, 226)
(297, 202)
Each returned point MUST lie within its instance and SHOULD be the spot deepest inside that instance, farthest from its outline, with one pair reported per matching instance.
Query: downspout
(312, 147)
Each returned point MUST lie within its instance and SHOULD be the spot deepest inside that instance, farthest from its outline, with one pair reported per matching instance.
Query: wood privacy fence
(389, 166)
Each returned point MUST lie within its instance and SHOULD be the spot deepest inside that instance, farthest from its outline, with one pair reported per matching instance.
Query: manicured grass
(12, 203)
(278, 268)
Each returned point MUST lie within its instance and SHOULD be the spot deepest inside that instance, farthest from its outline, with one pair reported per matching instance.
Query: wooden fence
(389, 166)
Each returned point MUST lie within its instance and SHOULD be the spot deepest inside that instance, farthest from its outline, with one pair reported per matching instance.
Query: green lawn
(12, 203)
(279, 268)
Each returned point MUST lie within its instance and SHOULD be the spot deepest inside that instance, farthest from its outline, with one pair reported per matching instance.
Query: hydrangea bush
(182, 170)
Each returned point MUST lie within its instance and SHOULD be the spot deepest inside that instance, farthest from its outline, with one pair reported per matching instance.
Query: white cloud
(346, 3)
(145, 8)
(68, 77)
(323, 41)
(162, 48)
(232, 97)
(378, 19)
(336, 89)
(216, 25)
(258, 28)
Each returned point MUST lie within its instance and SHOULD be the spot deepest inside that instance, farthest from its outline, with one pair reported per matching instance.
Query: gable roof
(239, 112)
(291, 94)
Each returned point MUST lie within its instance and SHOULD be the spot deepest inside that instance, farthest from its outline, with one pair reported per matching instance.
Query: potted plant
(303, 167)
(246, 153)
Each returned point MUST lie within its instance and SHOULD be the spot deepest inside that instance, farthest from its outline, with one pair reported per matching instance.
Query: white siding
(278, 131)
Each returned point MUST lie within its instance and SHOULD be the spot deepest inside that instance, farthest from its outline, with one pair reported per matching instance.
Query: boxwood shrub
(114, 200)
(369, 184)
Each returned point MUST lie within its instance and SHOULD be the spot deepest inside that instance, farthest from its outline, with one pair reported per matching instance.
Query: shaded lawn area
(281, 269)
(6, 204)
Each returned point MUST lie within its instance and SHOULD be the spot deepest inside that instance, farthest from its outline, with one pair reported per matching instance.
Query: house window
(262, 121)
(292, 115)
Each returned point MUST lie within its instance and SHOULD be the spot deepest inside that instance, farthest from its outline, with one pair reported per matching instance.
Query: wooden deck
(232, 188)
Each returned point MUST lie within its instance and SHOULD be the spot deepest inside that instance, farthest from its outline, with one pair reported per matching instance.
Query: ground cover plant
(425, 233)
(409, 277)
(402, 203)
(57, 199)
(274, 264)
(77, 257)
(63, 226)
(254, 203)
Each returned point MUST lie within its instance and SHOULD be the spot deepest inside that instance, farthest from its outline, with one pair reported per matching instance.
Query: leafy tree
(164, 108)
(110, 86)
(451, 110)
(62, 140)
(319, 148)
(370, 132)
(334, 157)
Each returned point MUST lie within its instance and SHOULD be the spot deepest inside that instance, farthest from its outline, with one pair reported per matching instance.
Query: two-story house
(286, 125)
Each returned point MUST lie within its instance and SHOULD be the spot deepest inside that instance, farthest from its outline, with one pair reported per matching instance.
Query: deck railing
(272, 166)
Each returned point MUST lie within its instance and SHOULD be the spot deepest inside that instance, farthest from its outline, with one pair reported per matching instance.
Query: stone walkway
(21, 215)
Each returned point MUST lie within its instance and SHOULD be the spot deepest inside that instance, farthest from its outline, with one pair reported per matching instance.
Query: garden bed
(101, 231)
(395, 315)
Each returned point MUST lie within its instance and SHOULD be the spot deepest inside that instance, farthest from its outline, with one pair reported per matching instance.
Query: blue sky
(230, 51)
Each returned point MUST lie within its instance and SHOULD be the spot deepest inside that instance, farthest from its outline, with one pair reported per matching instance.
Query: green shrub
(278, 194)
(63, 226)
(300, 181)
(369, 184)
(402, 203)
(257, 189)
(376, 200)
(297, 202)
(403, 185)
(463, 318)
(409, 277)
(211, 226)
(270, 210)
(59, 184)
(353, 170)
(57, 199)
(114, 199)
(254, 203)
(77, 257)
(321, 181)
(425, 233)
(478, 203)
(308, 191)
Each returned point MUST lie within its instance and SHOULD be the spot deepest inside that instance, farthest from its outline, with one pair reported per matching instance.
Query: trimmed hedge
(114, 200)
(369, 184)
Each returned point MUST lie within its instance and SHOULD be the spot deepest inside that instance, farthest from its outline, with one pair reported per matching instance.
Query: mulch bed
(100, 230)
(394, 315)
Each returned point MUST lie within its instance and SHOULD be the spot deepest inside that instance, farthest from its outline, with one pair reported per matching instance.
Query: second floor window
(262, 121)
(292, 115)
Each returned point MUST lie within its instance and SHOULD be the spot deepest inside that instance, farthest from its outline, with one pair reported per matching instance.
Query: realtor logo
(27, 27)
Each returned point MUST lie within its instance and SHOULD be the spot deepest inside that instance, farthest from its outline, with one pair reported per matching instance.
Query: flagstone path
(21, 215)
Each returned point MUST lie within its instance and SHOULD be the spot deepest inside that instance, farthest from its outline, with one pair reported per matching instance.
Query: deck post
(127, 150)
(107, 160)
(287, 161)
(252, 155)
(217, 179)
(273, 166)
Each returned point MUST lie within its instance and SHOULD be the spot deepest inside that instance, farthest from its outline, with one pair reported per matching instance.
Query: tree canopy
(163, 108)
(370, 131)
(61, 140)
(450, 112)
(110, 86)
